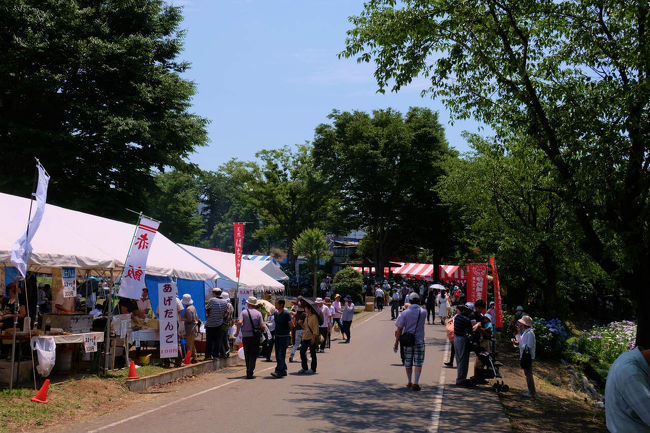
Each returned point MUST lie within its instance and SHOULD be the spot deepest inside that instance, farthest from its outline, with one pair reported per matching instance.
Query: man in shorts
(412, 321)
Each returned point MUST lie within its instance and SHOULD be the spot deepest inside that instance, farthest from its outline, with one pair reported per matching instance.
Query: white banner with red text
(132, 280)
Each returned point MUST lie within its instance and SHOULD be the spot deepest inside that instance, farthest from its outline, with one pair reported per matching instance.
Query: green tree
(312, 245)
(176, 203)
(94, 90)
(571, 75)
(348, 282)
(385, 167)
(290, 195)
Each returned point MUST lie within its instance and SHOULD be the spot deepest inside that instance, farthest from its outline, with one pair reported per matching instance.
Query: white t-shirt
(67, 303)
(379, 293)
(326, 316)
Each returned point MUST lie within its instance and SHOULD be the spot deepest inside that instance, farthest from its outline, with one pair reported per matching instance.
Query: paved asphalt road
(359, 387)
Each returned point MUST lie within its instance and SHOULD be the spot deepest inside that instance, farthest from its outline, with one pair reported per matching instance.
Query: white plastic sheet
(46, 350)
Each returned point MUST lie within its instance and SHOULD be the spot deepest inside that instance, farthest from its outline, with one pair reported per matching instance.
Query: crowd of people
(309, 324)
(470, 329)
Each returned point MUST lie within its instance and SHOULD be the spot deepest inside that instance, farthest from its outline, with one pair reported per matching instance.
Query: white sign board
(243, 295)
(90, 343)
(69, 277)
(168, 319)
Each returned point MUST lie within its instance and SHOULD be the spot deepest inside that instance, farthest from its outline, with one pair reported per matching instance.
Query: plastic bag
(46, 350)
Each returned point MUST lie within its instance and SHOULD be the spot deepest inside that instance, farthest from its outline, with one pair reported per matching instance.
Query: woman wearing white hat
(527, 344)
(191, 319)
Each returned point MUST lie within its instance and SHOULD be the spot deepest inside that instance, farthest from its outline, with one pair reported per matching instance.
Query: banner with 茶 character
(132, 280)
(476, 275)
(168, 320)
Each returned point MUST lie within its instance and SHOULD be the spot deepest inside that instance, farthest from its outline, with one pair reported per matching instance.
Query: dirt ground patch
(556, 409)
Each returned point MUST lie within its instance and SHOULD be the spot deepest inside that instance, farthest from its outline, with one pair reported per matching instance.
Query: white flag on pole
(22, 249)
(136, 263)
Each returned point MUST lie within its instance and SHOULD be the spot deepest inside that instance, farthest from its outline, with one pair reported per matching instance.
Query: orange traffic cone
(41, 395)
(132, 373)
(188, 359)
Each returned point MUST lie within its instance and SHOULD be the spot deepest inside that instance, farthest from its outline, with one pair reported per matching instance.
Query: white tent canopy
(271, 269)
(88, 242)
(250, 276)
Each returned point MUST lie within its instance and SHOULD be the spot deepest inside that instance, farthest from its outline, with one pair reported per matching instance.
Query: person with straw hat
(251, 325)
(527, 344)
(191, 319)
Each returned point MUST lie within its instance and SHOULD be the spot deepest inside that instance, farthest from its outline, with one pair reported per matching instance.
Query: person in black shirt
(283, 322)
(462, 332)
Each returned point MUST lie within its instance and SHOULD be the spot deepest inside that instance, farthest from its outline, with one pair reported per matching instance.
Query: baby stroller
(489, 369)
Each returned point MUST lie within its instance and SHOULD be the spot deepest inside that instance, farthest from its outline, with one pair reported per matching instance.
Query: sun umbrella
(314, 307)
(270, 308)
(437, 286)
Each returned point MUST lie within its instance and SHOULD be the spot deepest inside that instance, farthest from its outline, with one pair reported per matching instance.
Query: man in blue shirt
(282, 334)
(627, 393)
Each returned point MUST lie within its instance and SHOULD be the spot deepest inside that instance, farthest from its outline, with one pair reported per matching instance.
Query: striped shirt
(215, 309)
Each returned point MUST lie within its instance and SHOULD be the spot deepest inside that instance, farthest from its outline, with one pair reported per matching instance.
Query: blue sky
(267, 74)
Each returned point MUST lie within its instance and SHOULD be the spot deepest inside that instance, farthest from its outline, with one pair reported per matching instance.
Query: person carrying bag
(251, 329)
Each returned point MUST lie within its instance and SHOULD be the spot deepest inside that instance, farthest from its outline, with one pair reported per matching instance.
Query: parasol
(314, 307)
(268, 307)
(437, 286)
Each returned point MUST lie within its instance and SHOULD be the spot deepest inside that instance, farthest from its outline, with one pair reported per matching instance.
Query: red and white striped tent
(423, 271)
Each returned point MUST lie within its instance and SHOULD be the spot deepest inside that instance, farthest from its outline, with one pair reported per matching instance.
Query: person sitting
(63, 305)
(144, 303)
(8, 308)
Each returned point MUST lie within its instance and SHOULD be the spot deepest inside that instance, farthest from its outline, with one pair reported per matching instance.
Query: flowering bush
(601, 345)
(551, 336)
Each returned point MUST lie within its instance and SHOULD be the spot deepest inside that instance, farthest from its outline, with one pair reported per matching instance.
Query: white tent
(87, 242)
(250, 276)
(271, 269)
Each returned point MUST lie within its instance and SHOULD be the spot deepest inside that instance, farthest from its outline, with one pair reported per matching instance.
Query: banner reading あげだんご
(132, 280)
(168, 316)
(476, 275)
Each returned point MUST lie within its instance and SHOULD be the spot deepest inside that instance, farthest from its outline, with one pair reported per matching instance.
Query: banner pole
(107, 338)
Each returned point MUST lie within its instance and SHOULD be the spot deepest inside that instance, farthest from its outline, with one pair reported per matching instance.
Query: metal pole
(13, 345)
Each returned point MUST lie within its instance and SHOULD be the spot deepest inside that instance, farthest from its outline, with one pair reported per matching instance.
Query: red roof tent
(423, 271)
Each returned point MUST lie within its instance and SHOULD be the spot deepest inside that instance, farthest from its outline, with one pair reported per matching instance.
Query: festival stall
(423, 271)
(81, 245)
(271, 269)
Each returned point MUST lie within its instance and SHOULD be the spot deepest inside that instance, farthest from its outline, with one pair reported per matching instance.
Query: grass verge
(557, 408)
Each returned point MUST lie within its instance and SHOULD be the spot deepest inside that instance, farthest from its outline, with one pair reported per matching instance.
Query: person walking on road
(215, 310)
(431, 306)
(298, 331)
(282, 334)
(379, 298)
(411, 323)
(336, 312)
(348, 315)
(309, 340)
(251, 325)
(443, 306)
(394, 304)
(462, 333)
(324, 328)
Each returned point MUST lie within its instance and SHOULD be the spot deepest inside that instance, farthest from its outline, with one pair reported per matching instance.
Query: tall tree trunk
(315, 271)
(639, 283)
(436, 265)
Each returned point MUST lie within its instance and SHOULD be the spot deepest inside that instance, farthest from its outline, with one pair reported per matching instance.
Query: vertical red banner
(239, 243)
(476, 275)
(498, 309)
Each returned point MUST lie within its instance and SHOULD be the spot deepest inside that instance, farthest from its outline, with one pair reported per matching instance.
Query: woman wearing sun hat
(527, 344)
(249, 320)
